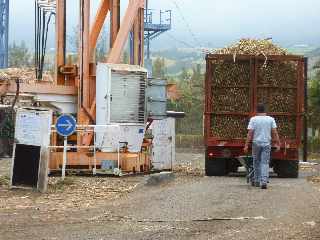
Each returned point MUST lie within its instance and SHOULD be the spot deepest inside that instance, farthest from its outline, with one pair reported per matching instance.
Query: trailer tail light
(210, 154)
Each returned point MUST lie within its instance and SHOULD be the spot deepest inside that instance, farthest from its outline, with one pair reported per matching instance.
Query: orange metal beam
(87, 138)
(98, 24)
(60, 39)
(84, 116)
(122, 37)
(136, 40)
(115, 20)
(84, 55)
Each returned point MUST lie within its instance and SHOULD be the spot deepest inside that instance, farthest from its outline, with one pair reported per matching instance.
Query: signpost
(66, 125)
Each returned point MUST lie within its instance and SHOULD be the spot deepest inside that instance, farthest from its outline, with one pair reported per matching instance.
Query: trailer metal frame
(289, 147)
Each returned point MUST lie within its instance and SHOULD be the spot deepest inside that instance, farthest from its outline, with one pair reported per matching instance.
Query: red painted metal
(236, 151)
(289, 147)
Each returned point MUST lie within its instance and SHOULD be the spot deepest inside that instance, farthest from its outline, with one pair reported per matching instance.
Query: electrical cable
(180, 41)
(193, 35)
(44, 47)
(43, 23)
(44, 10)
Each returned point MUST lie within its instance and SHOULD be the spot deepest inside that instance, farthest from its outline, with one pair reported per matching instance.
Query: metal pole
(147, 7)
(6, 63)
(148, 45)
(305, 122)
(119, 155)
(94, 154)
(65, 143)
(171, 157)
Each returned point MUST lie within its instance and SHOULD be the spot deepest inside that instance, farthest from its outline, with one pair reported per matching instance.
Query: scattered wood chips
(314, 179)
(189, 169)
(25, 75)
(74, 193)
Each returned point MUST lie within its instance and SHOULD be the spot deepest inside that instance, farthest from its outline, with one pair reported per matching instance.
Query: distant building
(173, 92)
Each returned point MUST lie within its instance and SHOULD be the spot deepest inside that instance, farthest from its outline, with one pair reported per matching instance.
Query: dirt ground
(190, 207)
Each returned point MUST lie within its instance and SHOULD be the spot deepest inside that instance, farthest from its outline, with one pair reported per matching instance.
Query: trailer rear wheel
(286, 168)
(215, 166)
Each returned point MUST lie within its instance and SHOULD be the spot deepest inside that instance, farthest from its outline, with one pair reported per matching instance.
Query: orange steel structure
(80, 79)
(82, 76)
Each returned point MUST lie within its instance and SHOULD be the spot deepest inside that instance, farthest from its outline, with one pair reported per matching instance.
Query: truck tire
(215, 166)
(286, 168)
(232, 165)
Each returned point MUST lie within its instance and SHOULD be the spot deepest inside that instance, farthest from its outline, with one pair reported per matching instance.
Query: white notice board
(33, 126)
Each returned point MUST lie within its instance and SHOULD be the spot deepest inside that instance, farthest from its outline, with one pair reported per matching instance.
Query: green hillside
(186, 58)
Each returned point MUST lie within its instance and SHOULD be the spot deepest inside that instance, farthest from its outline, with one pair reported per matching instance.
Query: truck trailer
(234, 85)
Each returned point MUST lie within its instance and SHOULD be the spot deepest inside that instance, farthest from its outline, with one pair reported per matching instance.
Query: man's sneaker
(264, 186)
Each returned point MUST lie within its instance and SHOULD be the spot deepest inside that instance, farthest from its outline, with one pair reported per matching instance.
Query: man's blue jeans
(261, 159)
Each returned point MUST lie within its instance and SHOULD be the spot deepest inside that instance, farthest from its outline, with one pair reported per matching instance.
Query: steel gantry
(154, 28)
(4, 33)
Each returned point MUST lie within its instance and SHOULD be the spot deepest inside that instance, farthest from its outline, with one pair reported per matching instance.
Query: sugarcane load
(238, 78)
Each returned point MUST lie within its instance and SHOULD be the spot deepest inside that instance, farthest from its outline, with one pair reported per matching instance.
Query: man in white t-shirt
(261, 130)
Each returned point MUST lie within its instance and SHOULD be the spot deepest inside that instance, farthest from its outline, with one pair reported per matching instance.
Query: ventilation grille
(128, 98)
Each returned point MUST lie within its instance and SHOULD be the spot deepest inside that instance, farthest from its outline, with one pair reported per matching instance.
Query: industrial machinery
(110, 100)
(234, 85)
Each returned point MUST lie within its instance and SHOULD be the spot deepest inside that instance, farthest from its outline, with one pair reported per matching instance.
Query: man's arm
(276, 138)
(248, 140)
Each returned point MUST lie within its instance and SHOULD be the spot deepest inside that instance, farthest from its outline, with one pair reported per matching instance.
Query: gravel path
(190, 207)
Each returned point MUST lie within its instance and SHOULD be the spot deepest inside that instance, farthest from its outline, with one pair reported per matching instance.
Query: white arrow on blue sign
(66, 125)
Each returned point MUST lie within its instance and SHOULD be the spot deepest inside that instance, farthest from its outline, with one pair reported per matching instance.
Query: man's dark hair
(261, 108)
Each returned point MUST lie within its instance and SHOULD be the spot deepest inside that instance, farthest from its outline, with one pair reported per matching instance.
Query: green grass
(61, 184)
(4, 180)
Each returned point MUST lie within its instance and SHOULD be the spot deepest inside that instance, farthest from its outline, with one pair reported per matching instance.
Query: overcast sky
(212, 23)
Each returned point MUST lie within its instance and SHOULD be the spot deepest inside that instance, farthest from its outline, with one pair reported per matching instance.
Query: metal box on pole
(30, 155)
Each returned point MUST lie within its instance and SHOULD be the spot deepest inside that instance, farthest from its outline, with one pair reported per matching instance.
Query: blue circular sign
(66, 125)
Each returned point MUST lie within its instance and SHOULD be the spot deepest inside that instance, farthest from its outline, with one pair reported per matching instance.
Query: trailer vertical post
(305, 119)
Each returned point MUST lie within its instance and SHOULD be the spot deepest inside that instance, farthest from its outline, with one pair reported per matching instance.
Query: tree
(314, 100)
(185, 76)
(19, 55)
(314, 109)
(102, 46)
(125, 57)
(159, 68)
(190, 84)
